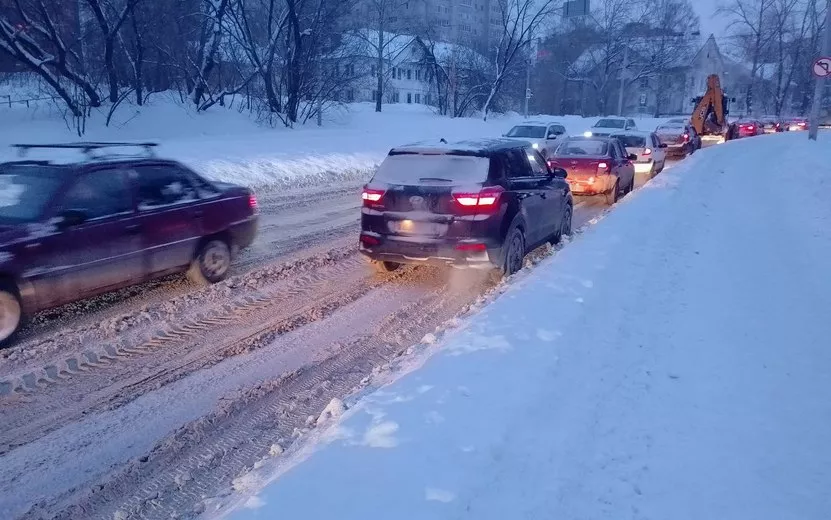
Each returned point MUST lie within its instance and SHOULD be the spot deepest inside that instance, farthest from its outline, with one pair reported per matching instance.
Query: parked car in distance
(651, 152)
(747, 127)
(478, 204)
(772, 124)
(796, 124)
(679, 136)
(606, 126)
(596, 166)
(543, 135)
(76, 229)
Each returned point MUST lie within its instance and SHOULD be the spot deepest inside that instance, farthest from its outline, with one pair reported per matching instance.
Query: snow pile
(672, 362)
(227, 145)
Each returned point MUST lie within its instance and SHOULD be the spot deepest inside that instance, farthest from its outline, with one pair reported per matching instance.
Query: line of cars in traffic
(486, 203)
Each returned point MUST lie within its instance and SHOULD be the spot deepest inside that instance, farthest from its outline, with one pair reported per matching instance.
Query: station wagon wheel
(386, 267)
(212, 263)
(565, 225)
(11, 315)
(514, 252)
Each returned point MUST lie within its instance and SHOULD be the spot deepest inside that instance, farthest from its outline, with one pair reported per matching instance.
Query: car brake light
(686, 137)
(648, 151)
(801, 124)
(368, 240)
(471, 247)
(486, 200)
(372, 197)
(252, 202)
(602, 167)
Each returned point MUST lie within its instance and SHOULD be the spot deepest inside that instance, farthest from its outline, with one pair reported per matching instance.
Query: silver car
(544, 136)
(651, 152)
(611, 125)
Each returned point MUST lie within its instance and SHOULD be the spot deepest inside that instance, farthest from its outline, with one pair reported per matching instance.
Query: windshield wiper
(435, 179)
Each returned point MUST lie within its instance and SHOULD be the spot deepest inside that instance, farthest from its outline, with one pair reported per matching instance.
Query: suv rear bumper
(432, 252)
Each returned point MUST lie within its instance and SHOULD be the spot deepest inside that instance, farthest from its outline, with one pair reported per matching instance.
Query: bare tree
(459, 75)
(110, 18)
(215, 13)
(520, 20)
(750, 23)
(39, 42)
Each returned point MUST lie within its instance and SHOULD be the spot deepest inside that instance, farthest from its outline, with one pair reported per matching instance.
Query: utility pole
(819, 85)
(527, 86)
(623, 78)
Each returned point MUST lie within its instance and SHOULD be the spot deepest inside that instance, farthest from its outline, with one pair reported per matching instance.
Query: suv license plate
(410, 227)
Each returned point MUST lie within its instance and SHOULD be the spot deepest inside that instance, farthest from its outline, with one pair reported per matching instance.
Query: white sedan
(651, 152)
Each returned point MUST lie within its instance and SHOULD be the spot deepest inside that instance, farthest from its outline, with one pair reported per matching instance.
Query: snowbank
(230, 146)
(672, 362)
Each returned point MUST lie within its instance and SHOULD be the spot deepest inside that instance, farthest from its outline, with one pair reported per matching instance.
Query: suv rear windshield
(25, 190)
(610, 123)
(632, 141)
(588, 147)
(532, 131)
(671, 126)
(415, 168)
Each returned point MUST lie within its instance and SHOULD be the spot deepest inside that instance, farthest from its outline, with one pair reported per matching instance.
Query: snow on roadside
(672, 362)
(230, 146)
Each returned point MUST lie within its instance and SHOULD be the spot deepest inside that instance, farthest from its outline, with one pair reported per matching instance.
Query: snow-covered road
(672, 362)
(126, 390)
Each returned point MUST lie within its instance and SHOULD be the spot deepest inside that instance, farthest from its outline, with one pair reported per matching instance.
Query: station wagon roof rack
(88, 148)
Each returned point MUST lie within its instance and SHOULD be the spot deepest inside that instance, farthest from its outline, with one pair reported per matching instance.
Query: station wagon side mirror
(71, 217)
(662, 145)
(558, 173)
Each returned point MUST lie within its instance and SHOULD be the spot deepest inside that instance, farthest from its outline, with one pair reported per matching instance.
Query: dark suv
(72, 230)
(466, 204)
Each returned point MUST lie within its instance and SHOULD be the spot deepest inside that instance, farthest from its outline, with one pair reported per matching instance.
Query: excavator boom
(709, 117)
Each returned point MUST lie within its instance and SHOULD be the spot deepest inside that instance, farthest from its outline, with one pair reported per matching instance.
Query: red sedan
(596, 166)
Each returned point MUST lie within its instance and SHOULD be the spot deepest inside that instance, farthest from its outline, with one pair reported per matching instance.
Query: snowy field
(229, 146)
(671, 363)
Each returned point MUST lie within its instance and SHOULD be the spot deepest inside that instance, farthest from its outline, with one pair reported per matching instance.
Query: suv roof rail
(86, 147)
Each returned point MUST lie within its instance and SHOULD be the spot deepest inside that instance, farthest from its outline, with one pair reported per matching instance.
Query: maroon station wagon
(69, 231)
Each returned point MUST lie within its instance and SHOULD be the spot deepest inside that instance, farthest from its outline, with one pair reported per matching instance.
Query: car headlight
(535, 146)
(587, 133)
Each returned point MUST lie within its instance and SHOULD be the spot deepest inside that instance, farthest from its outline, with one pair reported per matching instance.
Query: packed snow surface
(672, 362)
(230, 146)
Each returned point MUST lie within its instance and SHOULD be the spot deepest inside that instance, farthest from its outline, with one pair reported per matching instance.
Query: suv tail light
(602, 168)
(252, 202)
(648, 151)
(372, 198)
(684, 138)
(484, 201)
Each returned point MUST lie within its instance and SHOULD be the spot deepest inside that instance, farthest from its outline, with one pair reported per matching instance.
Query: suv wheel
(212, 263)
(386, 267)
(565, 225)
(11, 315)
(514, 252)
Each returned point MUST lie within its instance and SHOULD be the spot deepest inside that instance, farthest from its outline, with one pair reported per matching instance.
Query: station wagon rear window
(586, 147)
(432, 169)
(25, 190)
(527, 131)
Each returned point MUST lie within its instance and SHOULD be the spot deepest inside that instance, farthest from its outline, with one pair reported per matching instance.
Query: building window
(350, 95)
(418, 75)
(409, 97)
(409, 74)
(418, 98)
(373, 69)
(644, 82)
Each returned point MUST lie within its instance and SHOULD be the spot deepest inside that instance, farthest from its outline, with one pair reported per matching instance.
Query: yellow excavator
(709, 118)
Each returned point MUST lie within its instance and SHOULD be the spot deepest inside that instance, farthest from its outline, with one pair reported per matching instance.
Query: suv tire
(11, 314)
(565, 225)
(386, 267)
(212, 263)
(514, 248)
